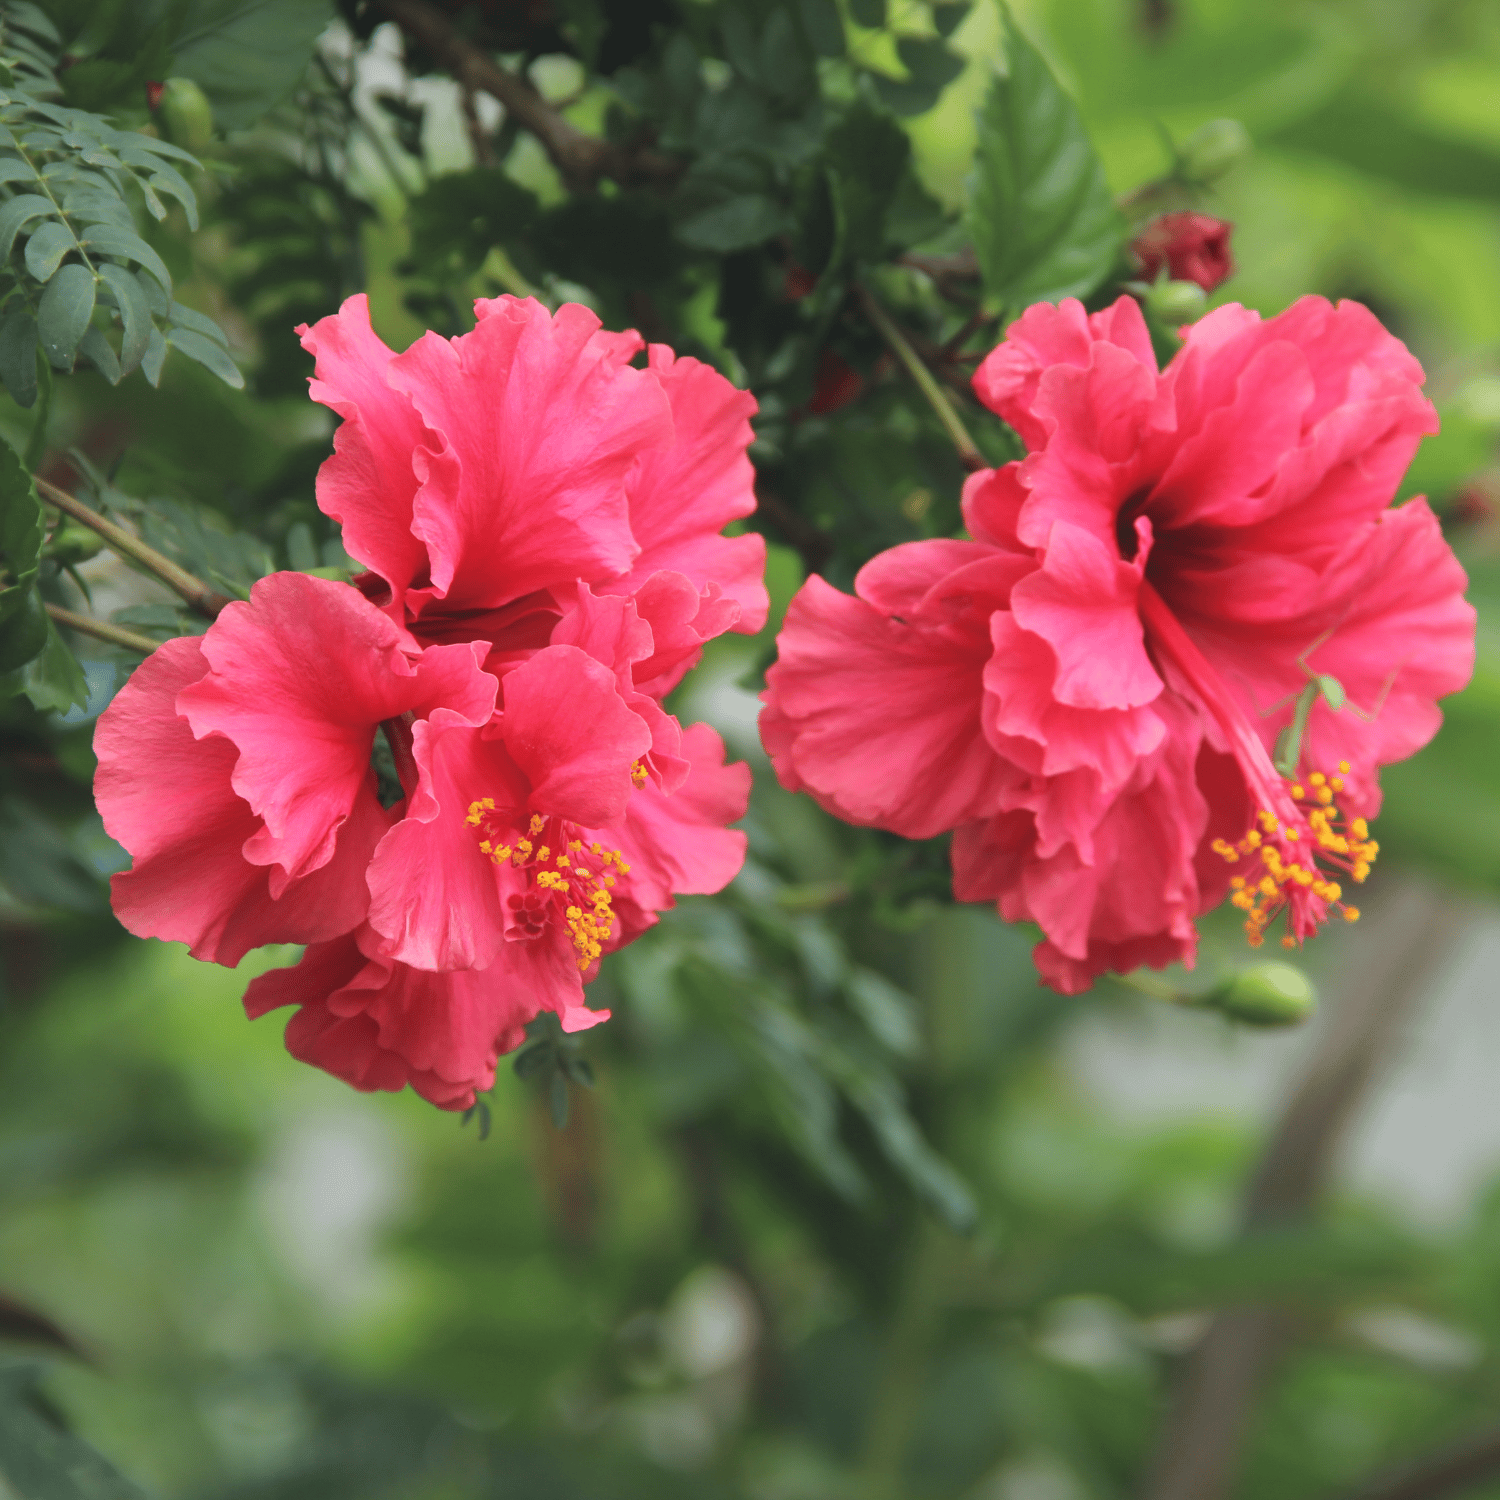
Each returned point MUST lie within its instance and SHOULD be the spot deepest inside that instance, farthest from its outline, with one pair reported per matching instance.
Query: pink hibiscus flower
(531, 839)
(481, 478)
(1090, 691)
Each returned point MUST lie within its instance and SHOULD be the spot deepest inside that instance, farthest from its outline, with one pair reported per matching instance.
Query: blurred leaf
(247, 55)
(23, 623)
(39, 1458)
(1043, 220)
(930, 67)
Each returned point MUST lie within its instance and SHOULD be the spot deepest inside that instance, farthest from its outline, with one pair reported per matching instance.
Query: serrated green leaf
(46, 248)
(106, 239)
(18, 212)
(207, 353)
(1043, 220)
(18, 352)
(66, 306)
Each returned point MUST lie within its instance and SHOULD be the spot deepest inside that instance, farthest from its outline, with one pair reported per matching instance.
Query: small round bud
(184, 114)
(71, 544)
(1175, 302)
(1267, 994)
(1211, 150)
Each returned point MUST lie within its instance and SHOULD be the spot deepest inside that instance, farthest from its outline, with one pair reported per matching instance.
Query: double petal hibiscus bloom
(1090, 691)
(540, 520)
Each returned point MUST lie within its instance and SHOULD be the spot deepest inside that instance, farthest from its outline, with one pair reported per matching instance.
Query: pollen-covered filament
(568, 879)
(1293, 862)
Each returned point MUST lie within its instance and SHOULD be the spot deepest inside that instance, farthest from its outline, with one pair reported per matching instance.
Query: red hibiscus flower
(1193, 247)
(1090, 692)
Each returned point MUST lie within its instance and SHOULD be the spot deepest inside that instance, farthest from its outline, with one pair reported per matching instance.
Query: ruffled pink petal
(300, 677)
(538, 431)
(897, 580)
(369, 484)
(681, 844)
(167, 798)
(1082, 602)
(683, 494)
(572, 736)
(880, 720)
(992, 502)
(682, 618)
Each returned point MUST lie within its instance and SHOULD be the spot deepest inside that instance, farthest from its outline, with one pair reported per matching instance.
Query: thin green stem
(102, 630)
(968, 452)
(197, 594)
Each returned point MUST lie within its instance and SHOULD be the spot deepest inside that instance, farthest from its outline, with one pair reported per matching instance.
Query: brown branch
(193, 591)
(1414, 926)
(102, 630)
(1455, 1468)
(581, 159)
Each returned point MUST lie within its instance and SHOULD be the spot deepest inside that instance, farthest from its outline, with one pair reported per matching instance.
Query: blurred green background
(856, 1209)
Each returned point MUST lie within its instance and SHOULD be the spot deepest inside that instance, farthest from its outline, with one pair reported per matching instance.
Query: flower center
(1279, 874)
(567, 882)
(1297, 840)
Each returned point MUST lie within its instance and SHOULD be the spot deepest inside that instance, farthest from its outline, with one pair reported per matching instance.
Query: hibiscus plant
(723, 592)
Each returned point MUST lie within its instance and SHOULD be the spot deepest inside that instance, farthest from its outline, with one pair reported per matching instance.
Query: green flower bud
(185, 115)
(1174, 302)
(1211, 150)
(71, 544)
(1268, 994)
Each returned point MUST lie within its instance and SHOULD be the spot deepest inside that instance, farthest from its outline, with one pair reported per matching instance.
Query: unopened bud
(1211, 150)
(184, 114)
(1269, 994)
(71, 544)
(1175, 302)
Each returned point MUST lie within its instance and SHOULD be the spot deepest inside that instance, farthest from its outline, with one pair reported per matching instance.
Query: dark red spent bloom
(799, 282)
(838, 384)
(154, 90)
(1193, 247)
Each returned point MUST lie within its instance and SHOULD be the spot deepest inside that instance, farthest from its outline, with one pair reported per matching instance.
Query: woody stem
(102, 630)
(197, 594)
(968, 454)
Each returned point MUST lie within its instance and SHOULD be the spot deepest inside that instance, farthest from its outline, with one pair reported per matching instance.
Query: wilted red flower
(1089, 692)
(838, 383)
(1193, 247)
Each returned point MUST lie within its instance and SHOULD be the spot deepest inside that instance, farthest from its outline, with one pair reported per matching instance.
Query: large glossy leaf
(1041, 214)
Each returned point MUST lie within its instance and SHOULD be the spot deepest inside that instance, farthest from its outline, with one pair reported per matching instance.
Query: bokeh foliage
(836, 1219)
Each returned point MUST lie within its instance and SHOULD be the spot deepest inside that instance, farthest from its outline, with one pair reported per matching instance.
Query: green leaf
(188, 317)
(824, 28)
(42, 1460)
(135, 315)
(248, 55)
(107, 239)
(156, 352)
(66, 307)
(1043, 221)
(208, 354)
(94, 347)
(46, 248)
(868, 12)
(18, 212)
(738, 222)
(52, 679)
(18, 353)
(23, 621)
(868, 152)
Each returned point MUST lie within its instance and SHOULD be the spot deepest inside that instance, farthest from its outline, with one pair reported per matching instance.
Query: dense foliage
(823, 1211)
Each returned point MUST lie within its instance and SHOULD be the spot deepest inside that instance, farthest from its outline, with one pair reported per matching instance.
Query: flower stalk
(193, 591)
(968, 453)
